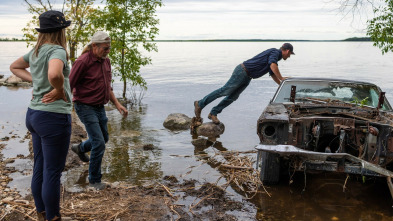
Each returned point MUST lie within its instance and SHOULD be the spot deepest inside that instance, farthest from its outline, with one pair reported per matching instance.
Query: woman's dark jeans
(51, 134)
(95, 121)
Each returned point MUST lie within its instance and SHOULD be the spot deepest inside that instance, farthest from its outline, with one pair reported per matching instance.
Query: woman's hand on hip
(54, 95)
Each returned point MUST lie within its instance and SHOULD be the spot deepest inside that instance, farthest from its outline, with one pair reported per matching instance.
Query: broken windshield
(361, 94)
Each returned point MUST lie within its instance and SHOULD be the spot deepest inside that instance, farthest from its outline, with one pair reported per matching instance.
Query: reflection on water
(13, 106)
(325, 196)
(132, 154)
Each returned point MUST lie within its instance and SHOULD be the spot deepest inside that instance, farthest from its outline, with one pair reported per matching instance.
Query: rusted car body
(326, 125)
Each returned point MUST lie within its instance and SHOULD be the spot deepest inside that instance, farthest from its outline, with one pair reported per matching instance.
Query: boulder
(210, 129)
(13, 80)
(177, 121)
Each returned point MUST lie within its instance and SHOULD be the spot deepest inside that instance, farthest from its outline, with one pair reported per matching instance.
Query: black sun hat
(52, 21)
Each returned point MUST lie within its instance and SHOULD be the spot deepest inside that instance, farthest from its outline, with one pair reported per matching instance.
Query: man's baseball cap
(288, 46)
(100, 37)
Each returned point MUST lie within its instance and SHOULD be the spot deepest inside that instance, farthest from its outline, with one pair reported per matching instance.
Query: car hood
(276, 112)
(336, 109)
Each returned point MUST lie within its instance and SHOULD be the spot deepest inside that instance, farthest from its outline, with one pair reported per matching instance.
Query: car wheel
(270, 168)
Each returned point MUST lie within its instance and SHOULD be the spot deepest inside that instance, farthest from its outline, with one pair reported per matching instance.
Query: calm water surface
(186, 71)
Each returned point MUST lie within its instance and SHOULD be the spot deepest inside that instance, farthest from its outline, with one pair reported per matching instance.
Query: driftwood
(236, 167)
(18, 204)
(167, 190)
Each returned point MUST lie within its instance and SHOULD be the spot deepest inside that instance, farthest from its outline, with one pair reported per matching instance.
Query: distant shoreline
(236, 40)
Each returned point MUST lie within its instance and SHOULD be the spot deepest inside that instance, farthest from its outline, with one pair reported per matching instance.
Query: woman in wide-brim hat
(48, 117)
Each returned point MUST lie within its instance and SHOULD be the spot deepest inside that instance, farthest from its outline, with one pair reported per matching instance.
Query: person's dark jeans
(51, 134)
(95, 121)
(232, 90)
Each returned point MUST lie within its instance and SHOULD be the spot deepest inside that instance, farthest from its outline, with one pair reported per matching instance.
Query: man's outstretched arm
(276, 71)
(123, 111)
(275, 79)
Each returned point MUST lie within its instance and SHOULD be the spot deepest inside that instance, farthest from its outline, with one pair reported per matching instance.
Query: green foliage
(131, 24)
(79, 12)
(363, 102)
(380, 28)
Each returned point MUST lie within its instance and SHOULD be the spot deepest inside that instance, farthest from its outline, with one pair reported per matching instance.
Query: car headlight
(269, 131)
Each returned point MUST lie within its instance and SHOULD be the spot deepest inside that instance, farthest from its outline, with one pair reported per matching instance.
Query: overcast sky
(231, 19)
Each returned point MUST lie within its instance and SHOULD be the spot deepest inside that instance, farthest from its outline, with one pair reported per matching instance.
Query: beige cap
(100, 37)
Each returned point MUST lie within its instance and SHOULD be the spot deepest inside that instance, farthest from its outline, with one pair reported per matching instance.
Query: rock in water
(13, 80)
(211, 129)
(177, 121)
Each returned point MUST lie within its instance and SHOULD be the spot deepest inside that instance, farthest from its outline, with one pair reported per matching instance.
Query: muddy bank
(166, 199)
(116, 202)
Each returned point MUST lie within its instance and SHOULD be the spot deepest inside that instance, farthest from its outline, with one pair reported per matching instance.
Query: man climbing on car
(241, 77)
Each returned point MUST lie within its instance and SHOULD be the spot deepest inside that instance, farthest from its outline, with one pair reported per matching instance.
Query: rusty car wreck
(326, 125)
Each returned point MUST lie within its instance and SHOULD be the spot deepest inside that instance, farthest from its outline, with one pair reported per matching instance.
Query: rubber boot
(214, 118)
(197, 109)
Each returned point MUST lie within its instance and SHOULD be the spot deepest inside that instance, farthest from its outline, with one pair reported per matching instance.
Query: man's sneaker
(197, 109)
(83, 156)
(213, 118)
(98, 186)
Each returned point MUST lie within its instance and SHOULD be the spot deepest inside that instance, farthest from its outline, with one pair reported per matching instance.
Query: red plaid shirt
(90, 79)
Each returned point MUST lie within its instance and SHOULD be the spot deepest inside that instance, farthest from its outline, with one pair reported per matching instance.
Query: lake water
(186, 71)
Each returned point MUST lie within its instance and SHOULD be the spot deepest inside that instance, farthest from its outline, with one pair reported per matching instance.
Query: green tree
(80, 12)
(131, 24)
(380, 28)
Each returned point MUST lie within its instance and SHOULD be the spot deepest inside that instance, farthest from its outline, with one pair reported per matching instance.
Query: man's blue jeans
(51, 134)
(232, 90)
(95, 121)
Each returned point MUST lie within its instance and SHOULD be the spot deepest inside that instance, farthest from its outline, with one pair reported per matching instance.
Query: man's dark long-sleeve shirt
(90, 79)
(260, 64)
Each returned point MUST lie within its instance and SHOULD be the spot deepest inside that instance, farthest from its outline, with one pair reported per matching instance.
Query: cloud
(284, 19)
(8, 7)
(228, 19)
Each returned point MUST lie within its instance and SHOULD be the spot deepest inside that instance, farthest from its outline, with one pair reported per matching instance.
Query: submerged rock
(201, 142)
(210, 129)
(129, 134)
(24, 84)
(177, 121)
(149, 147)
